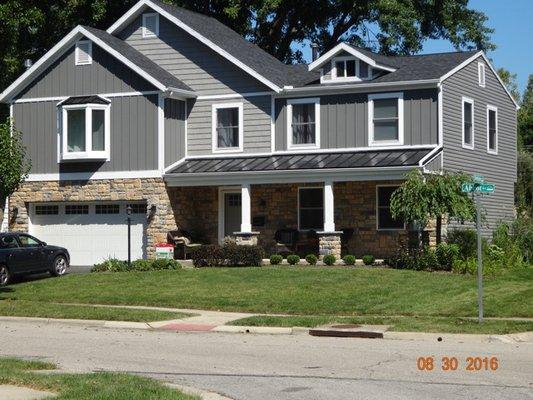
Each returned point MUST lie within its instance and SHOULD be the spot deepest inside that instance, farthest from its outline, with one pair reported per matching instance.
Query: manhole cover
(345, 326)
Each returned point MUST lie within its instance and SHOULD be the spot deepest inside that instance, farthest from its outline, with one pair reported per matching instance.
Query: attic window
(481, 74)
(84, 52)
(349, 69)
(150, 27)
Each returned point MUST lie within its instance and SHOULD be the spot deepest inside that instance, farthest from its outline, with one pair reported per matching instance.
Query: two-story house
(178, 116)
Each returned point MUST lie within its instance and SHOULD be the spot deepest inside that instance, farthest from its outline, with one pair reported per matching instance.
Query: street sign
(478, 178)
(478, 187)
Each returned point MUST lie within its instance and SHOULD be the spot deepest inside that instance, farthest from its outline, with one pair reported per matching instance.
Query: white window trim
(298, 205)
(309, 100)
(355, 78)
(481, 74)
(146, 33)
(215, 108)
(495, 150)
(379, 96)
(377, 211)
(89, 52)
(470, 101)
(88, 154)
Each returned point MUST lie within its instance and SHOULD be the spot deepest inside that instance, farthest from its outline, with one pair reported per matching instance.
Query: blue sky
(512, 21)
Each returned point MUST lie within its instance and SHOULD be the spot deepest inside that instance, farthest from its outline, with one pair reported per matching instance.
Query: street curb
(203, 394)
(83, 322)
(253, 329)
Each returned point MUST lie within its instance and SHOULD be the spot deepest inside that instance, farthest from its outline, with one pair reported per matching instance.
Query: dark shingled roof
(248, 53)
(292, 162)
(139, 59)
(84, 100)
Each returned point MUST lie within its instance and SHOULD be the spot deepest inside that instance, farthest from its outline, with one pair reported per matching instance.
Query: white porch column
(329, 207)
(246, 209)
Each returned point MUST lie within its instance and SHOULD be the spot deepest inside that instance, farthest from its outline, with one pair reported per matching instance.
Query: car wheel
(60, 266)
(5, 276)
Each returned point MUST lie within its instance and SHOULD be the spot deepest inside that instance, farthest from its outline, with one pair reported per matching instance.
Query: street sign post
(477, 188)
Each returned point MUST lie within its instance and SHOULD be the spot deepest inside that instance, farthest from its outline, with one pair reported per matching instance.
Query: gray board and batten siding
(500, 168)
(174, 131)
(344, 120)
(104, 75)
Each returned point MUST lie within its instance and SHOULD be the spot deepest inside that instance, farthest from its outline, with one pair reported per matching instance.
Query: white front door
(91, 232)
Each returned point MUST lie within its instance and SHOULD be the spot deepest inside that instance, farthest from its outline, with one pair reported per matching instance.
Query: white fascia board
(349, 49)
(181, 93)
(72, 176)
(473, 58)
(137, 8)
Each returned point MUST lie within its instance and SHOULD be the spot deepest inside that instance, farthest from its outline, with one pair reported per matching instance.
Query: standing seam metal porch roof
(304, 161)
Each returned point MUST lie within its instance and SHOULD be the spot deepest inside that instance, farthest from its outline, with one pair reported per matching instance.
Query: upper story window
(303, 123)
(85, 128)
(468, 123)
(385, 221)
(492, 130)
(227, 121)
(481, 74)
(83, 53)
(349, 69)
(150, 27)
(385, 119)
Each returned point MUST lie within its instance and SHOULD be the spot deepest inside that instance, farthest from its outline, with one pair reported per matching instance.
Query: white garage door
(91, 232)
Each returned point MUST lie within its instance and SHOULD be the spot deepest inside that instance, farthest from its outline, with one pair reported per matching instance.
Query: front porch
(302, 218)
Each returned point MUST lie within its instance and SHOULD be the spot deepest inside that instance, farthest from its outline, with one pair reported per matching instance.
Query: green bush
(110, 265)
(368, 259)
(141, 265)
(276, 259)
(230, 255)
(469, 266)
(349, 259)
(522, 230)
(311, 259)
(293, 259)
(417, 259)
(210, 255)
(511, 255)
(446, 255)
(161, 264)
(466, 240)
(427, 259)
(329, 259)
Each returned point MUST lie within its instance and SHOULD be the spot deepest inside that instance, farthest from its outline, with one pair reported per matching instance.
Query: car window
(8, 242)
(28, 241)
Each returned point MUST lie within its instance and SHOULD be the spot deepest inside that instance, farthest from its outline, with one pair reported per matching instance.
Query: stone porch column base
(329, 243)
(246, 238)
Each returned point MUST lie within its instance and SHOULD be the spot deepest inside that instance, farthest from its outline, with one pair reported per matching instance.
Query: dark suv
(21, 253)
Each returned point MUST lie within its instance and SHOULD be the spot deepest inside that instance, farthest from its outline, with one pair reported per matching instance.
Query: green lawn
(101, 386)
(293, 290)
(397, 324)
(24, 308)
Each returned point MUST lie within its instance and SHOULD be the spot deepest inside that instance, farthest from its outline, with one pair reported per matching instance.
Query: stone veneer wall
(153, 190)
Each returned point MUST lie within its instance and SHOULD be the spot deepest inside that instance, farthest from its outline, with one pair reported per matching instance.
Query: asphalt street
(281, 367)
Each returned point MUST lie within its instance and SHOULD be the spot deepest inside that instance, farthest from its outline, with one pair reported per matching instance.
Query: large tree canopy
(30, 27)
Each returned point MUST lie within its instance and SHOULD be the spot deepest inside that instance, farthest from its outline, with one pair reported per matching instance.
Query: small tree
(14, 167)
(422, 198)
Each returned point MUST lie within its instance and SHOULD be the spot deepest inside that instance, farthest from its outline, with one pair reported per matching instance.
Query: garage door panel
(91, 238)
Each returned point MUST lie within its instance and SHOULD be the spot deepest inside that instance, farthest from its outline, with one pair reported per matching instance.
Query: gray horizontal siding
(257, 127)
(344, 120)
(195, 64)
(499, 169)
(133, 136)
(105, 75)
(174, 131)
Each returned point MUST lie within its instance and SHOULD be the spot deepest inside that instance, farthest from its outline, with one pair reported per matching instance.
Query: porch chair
(181, 239)
(286, 240)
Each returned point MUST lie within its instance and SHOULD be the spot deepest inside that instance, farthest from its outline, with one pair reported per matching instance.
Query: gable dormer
(346, 63)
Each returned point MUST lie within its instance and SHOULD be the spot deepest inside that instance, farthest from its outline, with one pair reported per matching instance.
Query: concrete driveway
(280, 367)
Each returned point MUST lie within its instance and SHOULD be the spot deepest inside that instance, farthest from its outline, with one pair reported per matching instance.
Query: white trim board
(109, 95)
(74, 176)
(139, 7)
(161, 132)
(56, 51)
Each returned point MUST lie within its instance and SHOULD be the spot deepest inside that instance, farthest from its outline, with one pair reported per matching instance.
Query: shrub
(446, 255)
(427, 259)
(210, 255)
(505, 238)
(293, 259)
(246, 256)
(329, 259)
(469, 266)
(368, 259)
(466, 240)
(522, 230)
(276, 259)
(417, 259)
(349, 259)
(141, 265)
(162, 263)
(111, 265)
(311, 259)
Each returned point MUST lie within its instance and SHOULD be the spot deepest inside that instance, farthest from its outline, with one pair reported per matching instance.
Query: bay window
(303, 123)
(385, 119)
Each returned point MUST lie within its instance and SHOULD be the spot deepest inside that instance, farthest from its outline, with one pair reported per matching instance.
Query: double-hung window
(303, 123)
(227, 121)
(492, 130)
(468, 123)
(310, 208)
(85, 129)
(385, 119)
(385, 221)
